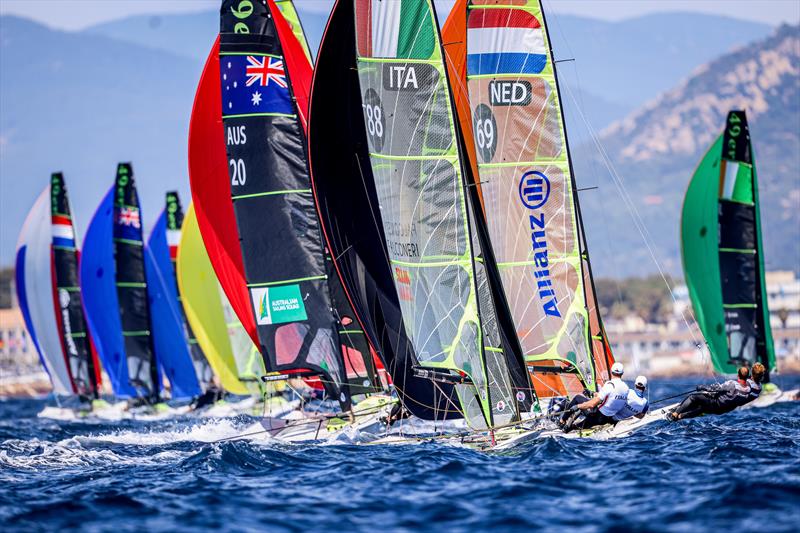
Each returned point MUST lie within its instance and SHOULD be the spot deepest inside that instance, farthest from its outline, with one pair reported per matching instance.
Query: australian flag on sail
(63, 235)
(254, 84)
(504, 41)
(128, 225)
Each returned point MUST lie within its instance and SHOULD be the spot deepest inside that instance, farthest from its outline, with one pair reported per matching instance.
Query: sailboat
(177, 353)
(256, 212)
(115, 295)
(50, 299)
(415, 256)
(723, 256)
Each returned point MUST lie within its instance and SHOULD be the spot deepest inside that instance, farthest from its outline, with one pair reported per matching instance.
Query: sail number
(485, 127)
(242, 11)
(374, 118)
(238, 172)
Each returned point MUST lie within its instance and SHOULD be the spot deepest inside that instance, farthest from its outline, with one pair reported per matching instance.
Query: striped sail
(508, 101)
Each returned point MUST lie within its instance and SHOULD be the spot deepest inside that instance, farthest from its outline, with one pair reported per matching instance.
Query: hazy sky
(78, 14)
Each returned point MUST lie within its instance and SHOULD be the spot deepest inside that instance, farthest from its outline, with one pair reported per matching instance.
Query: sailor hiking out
(610, 400)
(637, 403)
(715, 399)
(757, 374)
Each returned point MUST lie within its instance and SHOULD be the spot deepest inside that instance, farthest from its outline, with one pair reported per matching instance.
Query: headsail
(50, 295)
(507, 95)
(238, 369)
(115, 291)
(723, 258)
(187, 376)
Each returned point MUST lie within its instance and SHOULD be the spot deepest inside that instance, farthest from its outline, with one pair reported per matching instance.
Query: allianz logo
(534, 191)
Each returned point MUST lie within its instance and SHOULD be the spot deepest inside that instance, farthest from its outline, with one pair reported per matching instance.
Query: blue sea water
(739, 472)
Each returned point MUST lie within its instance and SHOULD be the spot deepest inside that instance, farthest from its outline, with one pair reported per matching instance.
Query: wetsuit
(212, 395)
(636, 405)
(613, 395)
(714, 399)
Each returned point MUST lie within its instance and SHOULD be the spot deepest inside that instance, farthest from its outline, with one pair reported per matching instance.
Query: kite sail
(426, 280)
(49, 294)
(722, 250)
(115, 292)
(221, 337)
(506, 92)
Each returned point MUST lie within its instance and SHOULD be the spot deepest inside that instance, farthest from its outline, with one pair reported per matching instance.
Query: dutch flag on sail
(504, 41)
(63, 235)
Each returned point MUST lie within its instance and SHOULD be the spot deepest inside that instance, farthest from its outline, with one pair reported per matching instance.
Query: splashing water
(741, 470)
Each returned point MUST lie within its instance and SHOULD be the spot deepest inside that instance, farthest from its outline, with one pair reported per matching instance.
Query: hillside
(657, 147)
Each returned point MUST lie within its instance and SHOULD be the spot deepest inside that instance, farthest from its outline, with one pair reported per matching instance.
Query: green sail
(722, 250)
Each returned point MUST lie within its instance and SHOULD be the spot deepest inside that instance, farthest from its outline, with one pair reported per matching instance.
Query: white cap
(617, 369)
(641, 382)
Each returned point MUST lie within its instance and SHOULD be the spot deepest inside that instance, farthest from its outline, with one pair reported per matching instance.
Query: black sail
(285, 264)
(82, 360)
(132, 286)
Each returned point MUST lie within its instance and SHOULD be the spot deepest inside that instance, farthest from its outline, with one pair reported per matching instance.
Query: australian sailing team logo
(534, 191)
(278, 305)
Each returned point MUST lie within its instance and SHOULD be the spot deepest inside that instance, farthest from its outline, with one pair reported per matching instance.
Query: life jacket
(614, 396)
(755, 390)
(636, 404)
(734, 393)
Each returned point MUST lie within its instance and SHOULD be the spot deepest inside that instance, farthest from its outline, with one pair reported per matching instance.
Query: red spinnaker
(208, 176)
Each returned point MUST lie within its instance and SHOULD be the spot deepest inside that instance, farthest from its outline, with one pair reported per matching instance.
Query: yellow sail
(202, 303)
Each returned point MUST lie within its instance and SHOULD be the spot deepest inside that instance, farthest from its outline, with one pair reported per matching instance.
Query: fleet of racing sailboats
(392, 232)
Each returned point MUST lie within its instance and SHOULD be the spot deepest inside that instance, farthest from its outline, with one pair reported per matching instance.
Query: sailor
(756, 377)
(637, 403)
(716, 399)
(584, 413)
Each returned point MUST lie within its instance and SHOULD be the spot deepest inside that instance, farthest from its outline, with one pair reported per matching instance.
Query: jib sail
(50, 296)
(115, 291)
(236, 362)
(723, 258)
(188, 372)
(507, 96)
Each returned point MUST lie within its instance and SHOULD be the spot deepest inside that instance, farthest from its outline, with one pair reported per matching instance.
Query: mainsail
(506, 93)
(722, 251)
(437, 295)
(219, 334)
(50, 296)
(115, 291)
(264, 76)
(187, 371)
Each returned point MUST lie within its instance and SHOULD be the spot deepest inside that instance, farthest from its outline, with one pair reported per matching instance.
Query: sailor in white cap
(637, 403)
(611, 398)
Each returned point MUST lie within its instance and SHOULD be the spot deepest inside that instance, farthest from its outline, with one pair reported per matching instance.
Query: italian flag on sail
(401, 29)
